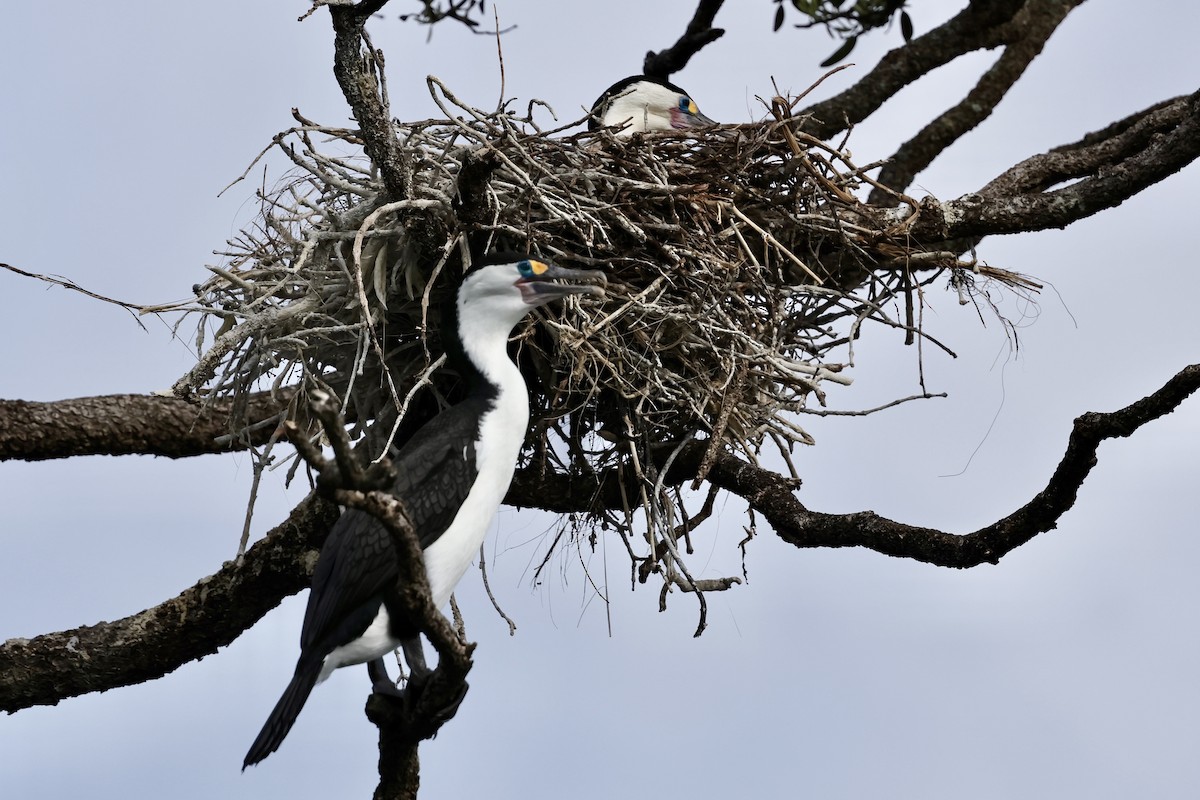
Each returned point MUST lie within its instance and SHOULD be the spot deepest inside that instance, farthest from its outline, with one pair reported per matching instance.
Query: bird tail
(283, 716)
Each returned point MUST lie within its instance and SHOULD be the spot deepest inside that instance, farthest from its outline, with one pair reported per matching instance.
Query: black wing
(435, 471)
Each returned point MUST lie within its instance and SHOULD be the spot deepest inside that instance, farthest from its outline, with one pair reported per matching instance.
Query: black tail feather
(283, 716)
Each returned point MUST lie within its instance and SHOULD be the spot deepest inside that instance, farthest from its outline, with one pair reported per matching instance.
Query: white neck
(501, 435)
(484, 334)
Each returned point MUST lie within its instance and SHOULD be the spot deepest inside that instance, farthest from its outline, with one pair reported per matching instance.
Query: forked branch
(1107, 168)
(49, 668)
(698, 35)
(1025, 36)
(773, 496)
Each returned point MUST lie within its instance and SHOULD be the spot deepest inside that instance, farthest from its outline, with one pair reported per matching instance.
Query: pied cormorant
(641, 103)
(452, 476)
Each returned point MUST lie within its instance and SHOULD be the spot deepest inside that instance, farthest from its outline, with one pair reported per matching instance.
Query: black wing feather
(357, 568)
(357, 565)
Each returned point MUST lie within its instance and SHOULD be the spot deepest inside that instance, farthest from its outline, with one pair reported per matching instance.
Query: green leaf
(841, 52)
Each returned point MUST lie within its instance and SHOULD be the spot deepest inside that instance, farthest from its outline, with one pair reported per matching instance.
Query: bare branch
(699, 33)
(154, 642)
(133, 308)
(772, 495)
(980, 25)
(128, 424)
(420, 719)
(1155, 144)
(48, 668)
(359, 73)
(407, 721)
(1025, 35)
(1124, 140)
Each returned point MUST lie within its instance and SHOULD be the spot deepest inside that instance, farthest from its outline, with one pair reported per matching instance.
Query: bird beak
(555, 282)
(684, 120)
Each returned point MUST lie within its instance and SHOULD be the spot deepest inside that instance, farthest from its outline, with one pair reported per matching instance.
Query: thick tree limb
(358, 73)
(1025, 35)
(405, 722)
(48, 668)
(359, 70)
(1142, 150)
(981, 25)
(1162, 124)
(154, 642)
(128, 424)
(773, 496)
(699, 34)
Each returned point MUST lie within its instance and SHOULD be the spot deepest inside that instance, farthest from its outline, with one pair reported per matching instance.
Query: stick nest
(742, 267)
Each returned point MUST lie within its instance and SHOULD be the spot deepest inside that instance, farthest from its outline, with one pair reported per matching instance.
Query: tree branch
(1026, 35)
(1142, 150)
(699, 33)
(154, 642)
(48, 668)
(407, 721)
(1096, 152)
(773, 495)
(129, 424)
(359, 73)
(770, 495)
(981, 25)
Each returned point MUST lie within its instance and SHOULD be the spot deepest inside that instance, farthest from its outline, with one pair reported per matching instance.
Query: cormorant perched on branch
(452, 476)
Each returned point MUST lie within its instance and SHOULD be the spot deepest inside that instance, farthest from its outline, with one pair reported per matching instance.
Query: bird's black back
(357, 565)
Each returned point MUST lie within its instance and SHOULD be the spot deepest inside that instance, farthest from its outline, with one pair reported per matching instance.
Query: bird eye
(530, 268)
(685, 104)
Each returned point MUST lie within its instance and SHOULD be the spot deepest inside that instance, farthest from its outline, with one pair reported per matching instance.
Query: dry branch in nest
(742, 267)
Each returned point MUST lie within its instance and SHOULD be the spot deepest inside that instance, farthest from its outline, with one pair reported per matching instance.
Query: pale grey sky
(1066, 671)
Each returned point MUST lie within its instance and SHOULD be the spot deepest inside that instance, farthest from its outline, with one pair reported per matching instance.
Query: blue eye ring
(685, 104)
(531, 267)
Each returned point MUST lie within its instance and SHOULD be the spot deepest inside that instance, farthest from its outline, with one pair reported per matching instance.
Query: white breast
(503, 431)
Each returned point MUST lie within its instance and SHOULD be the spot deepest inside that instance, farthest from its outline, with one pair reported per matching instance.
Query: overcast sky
(1069, 670)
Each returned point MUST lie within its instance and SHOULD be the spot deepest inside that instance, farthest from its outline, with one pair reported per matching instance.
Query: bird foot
(430, 720)
(381, 682)
(388, 689)
(423, 721)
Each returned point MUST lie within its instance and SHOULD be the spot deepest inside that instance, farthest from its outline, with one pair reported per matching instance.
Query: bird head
(642, 103)
(508, 286)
